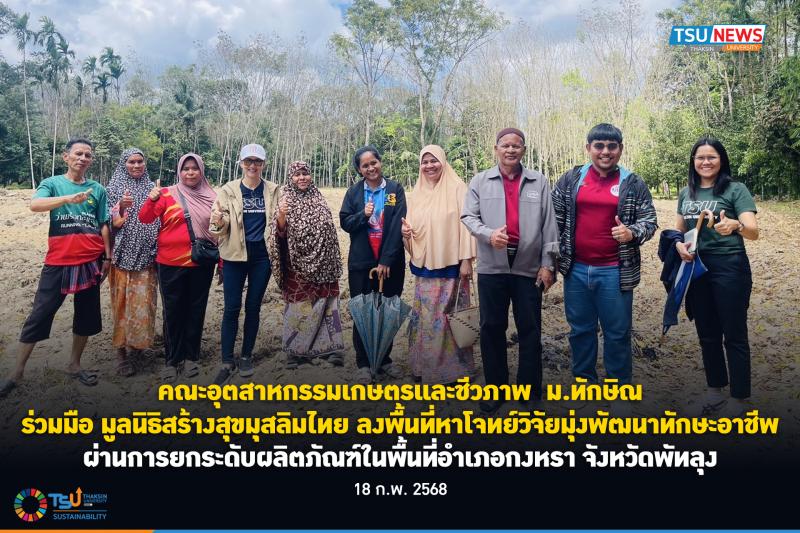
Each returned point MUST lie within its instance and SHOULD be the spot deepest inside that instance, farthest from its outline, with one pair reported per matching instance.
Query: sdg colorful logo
(30, 505)
(725, 37)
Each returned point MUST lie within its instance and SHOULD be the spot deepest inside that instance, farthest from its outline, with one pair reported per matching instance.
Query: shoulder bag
(464, 323)
(204, 252)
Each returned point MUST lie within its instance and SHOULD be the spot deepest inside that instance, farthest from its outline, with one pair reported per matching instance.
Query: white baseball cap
(253, 150)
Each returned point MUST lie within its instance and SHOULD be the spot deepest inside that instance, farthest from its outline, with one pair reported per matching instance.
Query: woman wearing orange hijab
(442, 251)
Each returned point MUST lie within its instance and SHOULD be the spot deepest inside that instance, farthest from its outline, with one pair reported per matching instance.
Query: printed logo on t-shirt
(533, 195)
(615, 190)
(694, 207)
(253, 204)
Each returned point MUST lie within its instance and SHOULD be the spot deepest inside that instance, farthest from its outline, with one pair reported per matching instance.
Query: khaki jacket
(231, 230)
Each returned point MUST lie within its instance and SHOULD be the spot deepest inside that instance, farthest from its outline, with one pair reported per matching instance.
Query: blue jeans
(592, 293)
(256, 270)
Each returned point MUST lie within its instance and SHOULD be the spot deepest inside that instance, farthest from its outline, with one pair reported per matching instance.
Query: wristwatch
(550, 268)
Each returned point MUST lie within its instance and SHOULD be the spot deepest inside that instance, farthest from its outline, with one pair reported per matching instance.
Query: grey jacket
(485, 211)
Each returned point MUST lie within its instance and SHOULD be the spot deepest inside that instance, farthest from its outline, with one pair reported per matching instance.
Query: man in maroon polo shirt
(605, 213)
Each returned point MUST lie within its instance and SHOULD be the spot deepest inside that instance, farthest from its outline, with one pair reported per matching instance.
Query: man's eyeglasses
(251, 162)
(704, 158)
(602, 146)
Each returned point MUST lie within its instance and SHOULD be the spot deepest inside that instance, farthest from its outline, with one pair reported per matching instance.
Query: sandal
(709, 409)
(6, 386)
(169, 374)
(191, 369)
(86, 378)
(364, 375)
(125, 368)
(336, 359)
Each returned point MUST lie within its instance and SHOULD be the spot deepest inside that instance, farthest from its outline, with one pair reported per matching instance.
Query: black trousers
(719, 301)
(359, 283)
(496, 292)
(184, 293)
(86, 318)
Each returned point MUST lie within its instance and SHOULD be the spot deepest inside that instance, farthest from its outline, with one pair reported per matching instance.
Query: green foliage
(773, 155)
(259, 91)
(664, 155)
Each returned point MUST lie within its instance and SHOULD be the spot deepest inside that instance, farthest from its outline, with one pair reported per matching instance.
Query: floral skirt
(134, 295)
(433, 354)
(312, 328)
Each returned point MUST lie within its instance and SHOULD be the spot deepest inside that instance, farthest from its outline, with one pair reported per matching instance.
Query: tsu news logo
(32, 505)
(722, 37)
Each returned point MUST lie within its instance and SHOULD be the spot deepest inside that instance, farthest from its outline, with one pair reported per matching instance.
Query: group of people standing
(589, 227)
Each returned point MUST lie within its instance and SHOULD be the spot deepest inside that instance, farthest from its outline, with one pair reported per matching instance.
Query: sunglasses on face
(602, 146)
(251, 162)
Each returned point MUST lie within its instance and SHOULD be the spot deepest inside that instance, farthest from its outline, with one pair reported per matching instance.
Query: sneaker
(246, 367)
(224, 375)
(364, 375)
(392, 371)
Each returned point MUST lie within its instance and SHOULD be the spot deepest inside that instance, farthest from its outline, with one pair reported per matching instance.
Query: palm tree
(108, 56)
(79, 86)
(46, 36)
(57, 67)
(102, 83)
(24, 36)
(115, 69)
(89, 66)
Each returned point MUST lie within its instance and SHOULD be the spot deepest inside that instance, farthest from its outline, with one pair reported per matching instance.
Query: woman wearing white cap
(240, 220)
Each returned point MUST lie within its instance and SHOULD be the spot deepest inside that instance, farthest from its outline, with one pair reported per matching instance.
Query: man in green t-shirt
(77, 261)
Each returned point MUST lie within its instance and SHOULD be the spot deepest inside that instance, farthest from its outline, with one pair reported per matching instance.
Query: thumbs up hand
(621, 232)
(125, 202)
(499, 237)
(155, 192)
(216, 215)
(369, 208)
(726, 226)
(406, 229)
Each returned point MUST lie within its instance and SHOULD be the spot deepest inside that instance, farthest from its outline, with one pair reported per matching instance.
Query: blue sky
(164, 32)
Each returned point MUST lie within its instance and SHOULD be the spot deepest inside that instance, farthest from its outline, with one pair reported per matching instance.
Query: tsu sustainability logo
(32, 505)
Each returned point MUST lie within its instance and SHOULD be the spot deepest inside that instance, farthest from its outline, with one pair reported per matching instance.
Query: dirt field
(671, 374)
